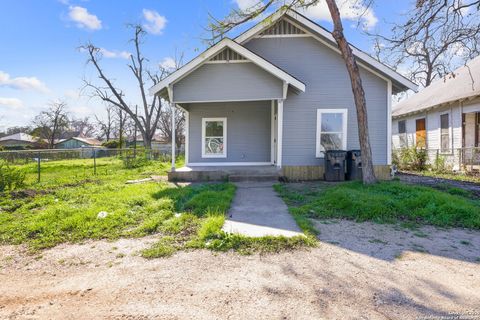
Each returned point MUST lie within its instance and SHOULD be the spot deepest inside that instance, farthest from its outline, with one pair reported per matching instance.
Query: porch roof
(165, 87)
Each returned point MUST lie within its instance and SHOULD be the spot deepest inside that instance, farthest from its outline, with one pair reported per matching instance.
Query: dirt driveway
(359, 271)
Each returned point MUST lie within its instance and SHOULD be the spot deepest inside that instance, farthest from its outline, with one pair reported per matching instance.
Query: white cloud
(168, 63)
(22, 83)
(13, 103)
(155, 22)
(115, 54)
(83, 18)
(349, 10)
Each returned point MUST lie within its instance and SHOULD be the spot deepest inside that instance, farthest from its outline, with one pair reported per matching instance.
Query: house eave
(400, 83)
(164, 87)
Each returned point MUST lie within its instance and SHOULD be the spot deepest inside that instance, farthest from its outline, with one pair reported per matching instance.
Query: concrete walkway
(257, 211)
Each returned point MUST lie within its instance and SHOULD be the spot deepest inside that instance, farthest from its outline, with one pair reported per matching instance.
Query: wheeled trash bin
(335, 165)
(354, 165)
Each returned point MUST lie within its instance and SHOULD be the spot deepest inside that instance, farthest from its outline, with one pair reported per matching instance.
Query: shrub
(10, 177)
(137, 162)
(111, 144)
(440, 164)
(411, 159)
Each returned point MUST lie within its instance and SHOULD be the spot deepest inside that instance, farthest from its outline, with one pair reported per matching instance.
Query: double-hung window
(214, 137)
(444, 133)
(331, 130)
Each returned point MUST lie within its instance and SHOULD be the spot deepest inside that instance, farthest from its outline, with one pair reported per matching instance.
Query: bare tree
(437, 37)
(52, 122)
(165, 122)
(106, 125)
(238, 17)
(83, 126)
(165, 126)
(149, 114)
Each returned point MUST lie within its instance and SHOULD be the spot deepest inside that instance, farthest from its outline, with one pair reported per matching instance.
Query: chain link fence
(460, 159)
(84, 161)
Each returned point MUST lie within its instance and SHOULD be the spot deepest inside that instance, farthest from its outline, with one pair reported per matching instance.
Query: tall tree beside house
(49, 124)
(437, 37)
(149, 108)
(238, 17)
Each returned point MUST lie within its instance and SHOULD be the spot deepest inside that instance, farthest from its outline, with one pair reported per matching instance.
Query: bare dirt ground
(359, 271)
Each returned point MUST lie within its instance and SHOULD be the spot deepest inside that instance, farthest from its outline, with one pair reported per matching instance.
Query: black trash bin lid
(336, 153)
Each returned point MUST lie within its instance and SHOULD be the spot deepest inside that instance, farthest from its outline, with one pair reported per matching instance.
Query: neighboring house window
(214, 137)
(420, 133)
(444, 132)
(402, 133)
(331, 130)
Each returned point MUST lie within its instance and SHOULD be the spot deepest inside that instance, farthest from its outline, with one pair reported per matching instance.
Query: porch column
(172, 106)
(279, 131)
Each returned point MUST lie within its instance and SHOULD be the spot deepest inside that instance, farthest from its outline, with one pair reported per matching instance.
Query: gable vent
(282, 27)
(228, 54)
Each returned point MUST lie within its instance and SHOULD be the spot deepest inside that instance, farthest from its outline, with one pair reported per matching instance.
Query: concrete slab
(257, 211)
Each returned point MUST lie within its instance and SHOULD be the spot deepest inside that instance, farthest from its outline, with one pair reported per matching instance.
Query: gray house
(274, 99)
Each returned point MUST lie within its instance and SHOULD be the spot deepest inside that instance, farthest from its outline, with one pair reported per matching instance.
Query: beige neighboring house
(18, 140)
(443, 118)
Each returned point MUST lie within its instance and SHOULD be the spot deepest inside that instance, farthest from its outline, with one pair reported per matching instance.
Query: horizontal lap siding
(228, 81)
(248, 130)
(327, 87)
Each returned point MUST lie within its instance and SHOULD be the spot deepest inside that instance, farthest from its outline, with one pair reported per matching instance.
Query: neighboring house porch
(444, 119)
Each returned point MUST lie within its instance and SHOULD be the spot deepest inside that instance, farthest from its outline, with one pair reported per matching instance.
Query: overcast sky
(40, 60)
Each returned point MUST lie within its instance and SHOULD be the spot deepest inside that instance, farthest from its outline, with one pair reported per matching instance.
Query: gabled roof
(399, 82)
(89, 141)
(463, 83)
(213, 51)
(20, 137)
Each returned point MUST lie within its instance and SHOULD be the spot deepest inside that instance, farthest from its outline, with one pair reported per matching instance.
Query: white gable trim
(209, 53)
(254, 31)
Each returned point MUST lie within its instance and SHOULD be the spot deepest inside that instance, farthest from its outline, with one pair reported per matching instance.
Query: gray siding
(248, 130)
(227, 82)
(327, 87)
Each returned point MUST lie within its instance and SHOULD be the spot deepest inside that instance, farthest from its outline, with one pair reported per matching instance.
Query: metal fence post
(38, 167)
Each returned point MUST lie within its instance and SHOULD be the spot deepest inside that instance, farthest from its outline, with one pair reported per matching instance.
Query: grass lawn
(384, 202)
(71, 205)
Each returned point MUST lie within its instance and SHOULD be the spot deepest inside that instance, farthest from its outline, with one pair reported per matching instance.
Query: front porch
(225, 173)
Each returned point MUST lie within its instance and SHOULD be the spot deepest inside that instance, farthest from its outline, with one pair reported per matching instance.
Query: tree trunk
(358, 94)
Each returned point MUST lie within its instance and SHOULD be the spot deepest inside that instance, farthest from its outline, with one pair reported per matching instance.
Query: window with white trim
(444, 133)
(214, 137)
(402, 133)
(331, 130)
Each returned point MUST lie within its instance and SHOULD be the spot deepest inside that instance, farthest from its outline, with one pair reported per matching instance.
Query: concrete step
(253, 178)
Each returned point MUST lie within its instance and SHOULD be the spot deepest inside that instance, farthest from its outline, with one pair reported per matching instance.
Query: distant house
(159, 143)
(77, 142)
(443, 118)
(19, 141)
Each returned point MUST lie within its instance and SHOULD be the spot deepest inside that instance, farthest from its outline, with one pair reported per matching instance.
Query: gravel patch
(359, 271)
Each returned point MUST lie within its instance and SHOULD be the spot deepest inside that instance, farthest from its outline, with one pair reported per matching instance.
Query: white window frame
(319, 152)
(204, 122)
(450, 136)
(404, 134)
